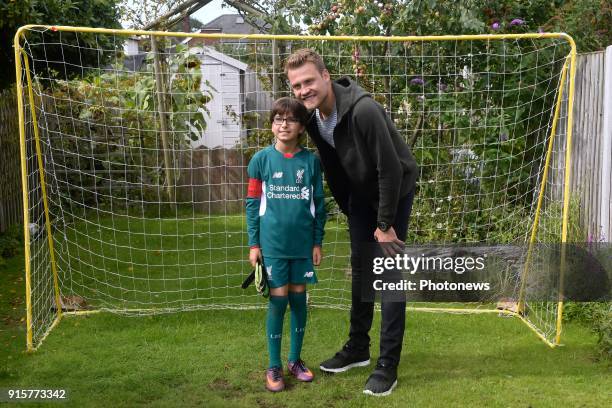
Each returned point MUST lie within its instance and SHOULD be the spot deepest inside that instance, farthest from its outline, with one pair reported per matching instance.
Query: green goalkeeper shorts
(282, 271)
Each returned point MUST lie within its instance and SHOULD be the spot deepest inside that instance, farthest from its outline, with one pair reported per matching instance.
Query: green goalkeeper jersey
(285, 203)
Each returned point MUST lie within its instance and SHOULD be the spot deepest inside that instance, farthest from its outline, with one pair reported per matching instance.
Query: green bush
(602, 326)
(11, 242)
(598, 317)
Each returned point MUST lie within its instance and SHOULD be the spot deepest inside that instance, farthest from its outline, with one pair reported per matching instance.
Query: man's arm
(337, 180)
(372, 126)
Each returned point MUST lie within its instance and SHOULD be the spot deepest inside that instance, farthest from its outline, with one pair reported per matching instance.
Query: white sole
(345, 368)
(381, 394)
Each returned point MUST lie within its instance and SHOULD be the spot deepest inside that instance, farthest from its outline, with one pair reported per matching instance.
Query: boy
(285, 220)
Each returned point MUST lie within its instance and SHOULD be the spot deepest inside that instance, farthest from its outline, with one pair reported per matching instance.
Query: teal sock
(297, 300)
(274, 328)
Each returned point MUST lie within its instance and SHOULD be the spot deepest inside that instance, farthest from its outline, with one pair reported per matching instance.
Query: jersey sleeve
(253, 200)
(319, 202)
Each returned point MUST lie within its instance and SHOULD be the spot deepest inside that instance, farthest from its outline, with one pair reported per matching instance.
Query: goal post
(134, 147)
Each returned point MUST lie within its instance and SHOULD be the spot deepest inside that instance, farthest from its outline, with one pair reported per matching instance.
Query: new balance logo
(269, 271)
(278, 174)
(309, 274)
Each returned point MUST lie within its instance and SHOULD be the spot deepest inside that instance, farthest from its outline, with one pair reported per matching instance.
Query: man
(372, 175)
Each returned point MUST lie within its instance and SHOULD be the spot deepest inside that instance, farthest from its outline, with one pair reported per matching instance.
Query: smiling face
(310, 85)
(286, 127)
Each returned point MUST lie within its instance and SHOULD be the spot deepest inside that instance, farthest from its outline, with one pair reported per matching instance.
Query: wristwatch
(383, 226)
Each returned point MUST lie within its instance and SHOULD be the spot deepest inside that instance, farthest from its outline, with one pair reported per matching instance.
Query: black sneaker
(382, 381)
(346, 359)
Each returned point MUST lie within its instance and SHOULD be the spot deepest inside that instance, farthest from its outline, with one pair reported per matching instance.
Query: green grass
(130, 263)
(217, 358)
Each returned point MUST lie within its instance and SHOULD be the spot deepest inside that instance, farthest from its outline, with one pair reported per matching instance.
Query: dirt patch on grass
(225, 388)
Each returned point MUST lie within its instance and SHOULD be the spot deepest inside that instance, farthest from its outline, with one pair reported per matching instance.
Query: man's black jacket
(371, 161)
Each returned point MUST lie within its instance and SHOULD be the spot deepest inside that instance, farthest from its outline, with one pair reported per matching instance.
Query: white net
(145, 156)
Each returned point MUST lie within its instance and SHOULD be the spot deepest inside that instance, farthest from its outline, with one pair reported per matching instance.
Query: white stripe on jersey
(312, 205)
(262, 201)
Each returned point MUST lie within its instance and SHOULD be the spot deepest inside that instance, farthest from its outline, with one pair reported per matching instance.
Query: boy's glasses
(290, 121)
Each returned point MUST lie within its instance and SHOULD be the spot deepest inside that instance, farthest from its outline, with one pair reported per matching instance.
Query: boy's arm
(319, 203)
(253, 201)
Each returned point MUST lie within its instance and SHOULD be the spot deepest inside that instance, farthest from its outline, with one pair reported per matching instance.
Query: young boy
(285, 219)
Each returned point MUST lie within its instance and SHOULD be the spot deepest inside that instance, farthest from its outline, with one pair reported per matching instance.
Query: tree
(194, 25)
(137, 14)
(13, 14)
(488, 129)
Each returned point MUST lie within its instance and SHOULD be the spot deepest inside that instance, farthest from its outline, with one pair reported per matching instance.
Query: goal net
(135, 147)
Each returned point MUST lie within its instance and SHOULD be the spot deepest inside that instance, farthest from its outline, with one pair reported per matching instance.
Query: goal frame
(21, 62)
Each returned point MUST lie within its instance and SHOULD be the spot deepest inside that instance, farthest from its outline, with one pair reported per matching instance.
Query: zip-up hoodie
(371, 161)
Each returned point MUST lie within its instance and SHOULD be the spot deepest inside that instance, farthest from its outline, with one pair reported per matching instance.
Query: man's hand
(254, 256)
(316, 255)
(393, 245)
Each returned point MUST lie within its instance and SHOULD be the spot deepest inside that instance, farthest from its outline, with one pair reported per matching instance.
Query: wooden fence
(591, 171)
(11, 211)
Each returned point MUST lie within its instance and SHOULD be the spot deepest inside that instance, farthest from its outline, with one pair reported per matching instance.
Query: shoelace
(276, 374)
(300, 365)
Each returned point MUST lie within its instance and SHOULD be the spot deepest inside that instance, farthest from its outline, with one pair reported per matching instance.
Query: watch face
(383, 226)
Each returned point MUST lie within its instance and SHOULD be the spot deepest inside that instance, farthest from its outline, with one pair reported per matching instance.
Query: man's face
(309, 85)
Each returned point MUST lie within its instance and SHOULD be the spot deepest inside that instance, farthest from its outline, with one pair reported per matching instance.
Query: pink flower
(517, 22)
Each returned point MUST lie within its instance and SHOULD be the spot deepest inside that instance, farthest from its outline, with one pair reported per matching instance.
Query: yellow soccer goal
(134, 148)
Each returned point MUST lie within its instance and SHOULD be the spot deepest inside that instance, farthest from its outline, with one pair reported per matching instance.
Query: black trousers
(362, 221)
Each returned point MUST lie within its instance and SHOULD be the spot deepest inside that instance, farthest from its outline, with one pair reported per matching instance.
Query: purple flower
(417, 81)
(442, 86)
(517, 22)
(495, 26)
(503, 137)
(541, 30)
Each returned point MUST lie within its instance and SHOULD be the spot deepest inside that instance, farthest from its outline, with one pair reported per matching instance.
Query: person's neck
(287, 148)
(328, 105)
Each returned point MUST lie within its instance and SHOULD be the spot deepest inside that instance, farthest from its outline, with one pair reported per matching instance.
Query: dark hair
(283, 106)
(303, 56)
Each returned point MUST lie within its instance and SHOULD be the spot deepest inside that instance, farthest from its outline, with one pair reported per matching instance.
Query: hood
(347, 93)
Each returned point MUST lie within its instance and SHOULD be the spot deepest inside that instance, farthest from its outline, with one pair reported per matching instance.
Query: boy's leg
(277, 271)
(296, 365)
(301, 273)
(297, 303)
(274, 327)
(274, 331)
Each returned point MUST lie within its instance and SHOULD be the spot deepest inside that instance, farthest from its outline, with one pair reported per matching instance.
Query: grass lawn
(217, 358)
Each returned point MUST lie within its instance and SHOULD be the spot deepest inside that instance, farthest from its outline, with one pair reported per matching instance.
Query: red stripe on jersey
(254, 190)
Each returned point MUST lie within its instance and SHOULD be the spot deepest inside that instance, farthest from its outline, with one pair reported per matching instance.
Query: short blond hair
(304, 56)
